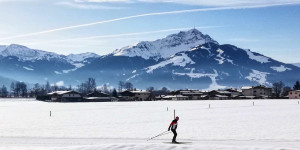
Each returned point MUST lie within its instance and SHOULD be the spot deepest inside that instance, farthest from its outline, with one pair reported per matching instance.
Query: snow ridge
(81, 57)
(166, 47)
(26, 54)
(259, 58)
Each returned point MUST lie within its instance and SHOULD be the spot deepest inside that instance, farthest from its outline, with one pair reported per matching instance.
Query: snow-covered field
(230, 125)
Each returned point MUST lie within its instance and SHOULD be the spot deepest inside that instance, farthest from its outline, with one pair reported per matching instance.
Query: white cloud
(103, 1)
(242, 40)
(150, 14)
(10, 1)
(85, 6)
(205, 2)
(60, 83)
(121, 35)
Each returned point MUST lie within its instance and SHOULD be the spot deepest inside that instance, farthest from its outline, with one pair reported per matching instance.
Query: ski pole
(161, 134)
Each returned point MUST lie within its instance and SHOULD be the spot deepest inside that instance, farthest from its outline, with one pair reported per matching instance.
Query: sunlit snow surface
(258, 58)
(281, 68)
(229, 125)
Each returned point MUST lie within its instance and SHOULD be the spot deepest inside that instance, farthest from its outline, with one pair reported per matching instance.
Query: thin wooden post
(209, 106)
(298, 102)
(50, 113)
(167, 109)
(253, 103)
(174, 113)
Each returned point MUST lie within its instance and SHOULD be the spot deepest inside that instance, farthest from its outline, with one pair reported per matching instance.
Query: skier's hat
(177, 118)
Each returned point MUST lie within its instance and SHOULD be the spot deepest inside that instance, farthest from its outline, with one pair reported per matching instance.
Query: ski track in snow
(227, 125)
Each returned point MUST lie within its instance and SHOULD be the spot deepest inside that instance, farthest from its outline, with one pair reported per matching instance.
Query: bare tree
(150, 89)
(277, 88)
(121, 86)
(91, 84)
(128, 86)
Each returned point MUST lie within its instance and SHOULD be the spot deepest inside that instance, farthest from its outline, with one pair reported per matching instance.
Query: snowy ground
(229, 125)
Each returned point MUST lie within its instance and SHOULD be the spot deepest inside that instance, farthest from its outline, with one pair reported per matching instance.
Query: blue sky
(270, 27)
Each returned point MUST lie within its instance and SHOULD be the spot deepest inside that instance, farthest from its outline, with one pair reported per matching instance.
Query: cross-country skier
(173, 127)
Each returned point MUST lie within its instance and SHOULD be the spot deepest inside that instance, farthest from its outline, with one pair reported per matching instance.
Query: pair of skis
(164, 133)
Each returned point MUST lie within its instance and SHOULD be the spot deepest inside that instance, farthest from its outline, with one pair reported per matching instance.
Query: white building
(260, 91)
(294, 94)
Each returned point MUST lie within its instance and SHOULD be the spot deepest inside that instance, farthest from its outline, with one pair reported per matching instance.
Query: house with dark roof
(135, 95)
(65, 96)
(260, 91)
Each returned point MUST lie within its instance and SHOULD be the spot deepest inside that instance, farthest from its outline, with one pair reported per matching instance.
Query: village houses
(294, 94)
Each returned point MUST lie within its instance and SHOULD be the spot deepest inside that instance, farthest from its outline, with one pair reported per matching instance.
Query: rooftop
(60, 92)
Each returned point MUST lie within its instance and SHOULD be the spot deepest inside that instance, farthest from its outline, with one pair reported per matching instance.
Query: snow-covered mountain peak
(25, 53)
(188, 36)
(164, 48)
(81, 57)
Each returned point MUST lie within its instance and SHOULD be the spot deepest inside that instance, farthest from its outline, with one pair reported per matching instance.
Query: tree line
(21, 89)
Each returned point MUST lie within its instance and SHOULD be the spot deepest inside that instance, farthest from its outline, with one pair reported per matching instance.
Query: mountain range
(188, 59)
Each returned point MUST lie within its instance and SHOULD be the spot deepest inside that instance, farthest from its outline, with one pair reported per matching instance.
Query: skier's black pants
(175, 135)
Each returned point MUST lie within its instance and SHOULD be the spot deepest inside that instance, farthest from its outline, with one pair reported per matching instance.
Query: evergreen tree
(297, 86)
(114, 93)
(3, 91)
